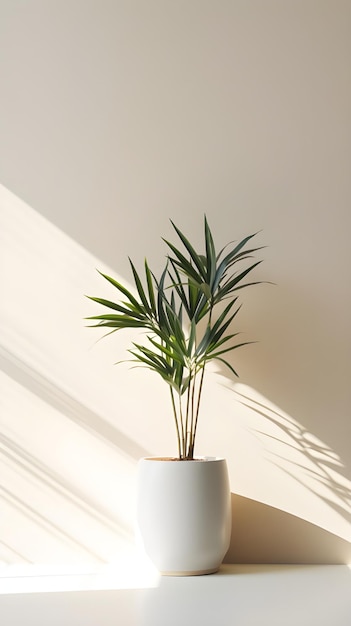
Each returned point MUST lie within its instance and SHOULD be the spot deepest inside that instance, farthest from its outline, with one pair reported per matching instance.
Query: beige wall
(118, 115)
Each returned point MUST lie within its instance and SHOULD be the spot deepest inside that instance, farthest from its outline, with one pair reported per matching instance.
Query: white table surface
(238, 595)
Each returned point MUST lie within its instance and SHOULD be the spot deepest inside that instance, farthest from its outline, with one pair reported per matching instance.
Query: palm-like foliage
(177, 313)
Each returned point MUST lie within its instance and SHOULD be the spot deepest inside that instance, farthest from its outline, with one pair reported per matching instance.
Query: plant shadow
(265, 534)
(319, 466)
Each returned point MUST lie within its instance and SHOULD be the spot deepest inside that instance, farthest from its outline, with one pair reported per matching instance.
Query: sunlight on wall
(73, 426)
(62, 498)
(57, 497)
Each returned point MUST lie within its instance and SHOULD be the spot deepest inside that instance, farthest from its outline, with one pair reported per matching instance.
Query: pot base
(199, 572)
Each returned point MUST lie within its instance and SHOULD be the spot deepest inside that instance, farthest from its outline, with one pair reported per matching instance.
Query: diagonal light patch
(67, 454)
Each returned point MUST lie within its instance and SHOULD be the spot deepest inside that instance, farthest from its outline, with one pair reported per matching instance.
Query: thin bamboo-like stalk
(180, 451)
(182, 425)
(187, 416)
(198, 401)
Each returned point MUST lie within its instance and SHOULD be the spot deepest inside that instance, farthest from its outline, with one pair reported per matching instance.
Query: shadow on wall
(264, 534)
(298, 508)
(301, 455)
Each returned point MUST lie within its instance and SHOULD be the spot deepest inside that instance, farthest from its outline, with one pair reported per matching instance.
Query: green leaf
(175, 325)
(161, 298)
(127, 313)
(192, 337)
(219, 275)
(237, 248)
(184, 265)
(150, 364)
(214, 346)
(205, 341)
(150, 286)
(111, 305)
(229, 366)
(206, 290)
(231, 284)
(177, 284)
(170, 349)
(131, 323)
(214, 334)
(193, 254)
(122, 289)
(215, 355)
(140, 288)
(245, 254)
(210, 254)
(157, 359)
(110, 316)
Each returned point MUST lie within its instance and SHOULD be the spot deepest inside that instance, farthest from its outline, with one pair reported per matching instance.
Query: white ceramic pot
(184, 514)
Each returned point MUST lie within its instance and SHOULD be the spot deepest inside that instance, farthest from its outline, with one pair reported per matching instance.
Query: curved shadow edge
(264, 534)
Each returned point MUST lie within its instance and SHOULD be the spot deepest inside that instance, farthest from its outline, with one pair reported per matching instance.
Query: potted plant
(187, 313)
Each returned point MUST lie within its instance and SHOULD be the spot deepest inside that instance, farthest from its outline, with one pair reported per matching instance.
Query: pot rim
(166, 459)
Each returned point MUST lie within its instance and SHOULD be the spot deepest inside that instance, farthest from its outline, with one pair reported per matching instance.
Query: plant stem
(176, 423)
(192, 435)
(201, 382)
(198, 401)
(181, 419)
(187, 416)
